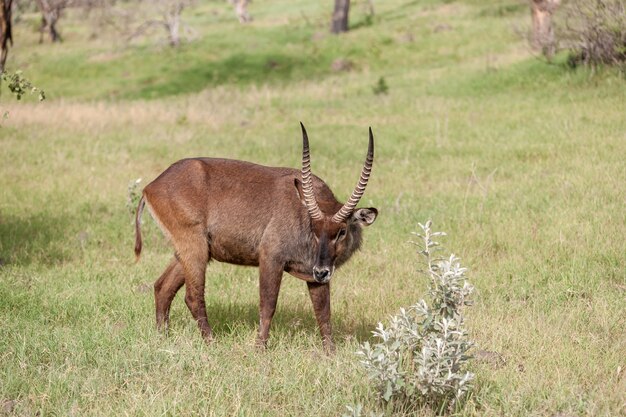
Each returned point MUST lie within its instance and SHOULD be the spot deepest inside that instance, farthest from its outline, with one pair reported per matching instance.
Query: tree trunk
(340, 16)
(543, 33)
(50, 14)
(6, 35)
(370, 6)
(172, 23)
(52, 18)
(241, 8)
(174, 29)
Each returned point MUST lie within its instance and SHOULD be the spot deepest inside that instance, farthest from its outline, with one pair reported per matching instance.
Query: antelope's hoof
(260, 345)
(329, 349)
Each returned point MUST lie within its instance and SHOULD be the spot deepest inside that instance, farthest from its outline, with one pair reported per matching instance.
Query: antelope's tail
(138, 241)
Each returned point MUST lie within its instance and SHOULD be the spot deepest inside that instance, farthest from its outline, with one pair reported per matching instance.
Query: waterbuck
(279, 219)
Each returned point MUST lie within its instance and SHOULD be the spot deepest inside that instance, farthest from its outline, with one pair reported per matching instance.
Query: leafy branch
(20, 86)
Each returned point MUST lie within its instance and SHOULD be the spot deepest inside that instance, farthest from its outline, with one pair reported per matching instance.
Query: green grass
(520, 161)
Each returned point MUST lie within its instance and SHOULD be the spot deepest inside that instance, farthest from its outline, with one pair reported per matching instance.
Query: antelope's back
(238, 202)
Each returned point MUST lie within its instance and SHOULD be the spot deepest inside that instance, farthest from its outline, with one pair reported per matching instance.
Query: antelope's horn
(307, 185)
(349, 207)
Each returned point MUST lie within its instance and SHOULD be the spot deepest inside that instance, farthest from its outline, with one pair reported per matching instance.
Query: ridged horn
(349, 207)
(307, 185)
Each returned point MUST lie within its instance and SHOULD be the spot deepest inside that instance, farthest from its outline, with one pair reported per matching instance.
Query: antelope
(277, 219)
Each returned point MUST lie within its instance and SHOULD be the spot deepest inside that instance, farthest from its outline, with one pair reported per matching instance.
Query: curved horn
(307, 185)
(348, 208)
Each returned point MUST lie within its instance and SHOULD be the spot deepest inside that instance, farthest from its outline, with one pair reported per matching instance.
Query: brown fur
(246, 214)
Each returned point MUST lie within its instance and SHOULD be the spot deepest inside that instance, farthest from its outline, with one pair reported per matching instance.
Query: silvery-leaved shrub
(421, 354)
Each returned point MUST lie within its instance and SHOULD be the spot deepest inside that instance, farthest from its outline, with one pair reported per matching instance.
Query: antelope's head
(336, 235)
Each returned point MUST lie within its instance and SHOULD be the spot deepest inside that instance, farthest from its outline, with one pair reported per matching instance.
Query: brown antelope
(279, 219)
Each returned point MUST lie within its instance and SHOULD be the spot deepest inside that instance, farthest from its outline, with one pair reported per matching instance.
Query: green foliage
(19, 86)
(422, 354)
(380, 87)
(595, 32)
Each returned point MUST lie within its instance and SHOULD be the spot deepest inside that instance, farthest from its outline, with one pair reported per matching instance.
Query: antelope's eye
(341, 234)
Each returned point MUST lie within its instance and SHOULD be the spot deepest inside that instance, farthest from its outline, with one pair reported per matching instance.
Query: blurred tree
(109, 19)
(595, 32)
(50, 14)
(6, 35)
(542, 31)
(165, 14)
(340, 16)
(241, 8)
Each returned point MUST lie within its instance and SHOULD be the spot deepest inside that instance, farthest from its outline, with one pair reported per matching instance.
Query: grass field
(521, 162)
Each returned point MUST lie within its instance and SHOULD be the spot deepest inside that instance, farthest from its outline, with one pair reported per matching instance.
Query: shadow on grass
(236, 69)
(520, 77)
(36, 239)
(289, 321)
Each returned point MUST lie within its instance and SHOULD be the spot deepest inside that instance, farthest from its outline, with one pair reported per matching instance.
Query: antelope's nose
(321, 275)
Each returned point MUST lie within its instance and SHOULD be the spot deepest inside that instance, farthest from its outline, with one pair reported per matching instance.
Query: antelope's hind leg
(165, 289)
(193, 255)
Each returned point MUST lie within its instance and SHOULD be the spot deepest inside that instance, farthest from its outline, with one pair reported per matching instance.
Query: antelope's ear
(298, 184)
(364, 216)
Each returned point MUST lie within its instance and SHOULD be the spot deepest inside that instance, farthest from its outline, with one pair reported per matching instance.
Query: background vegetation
(520, 161)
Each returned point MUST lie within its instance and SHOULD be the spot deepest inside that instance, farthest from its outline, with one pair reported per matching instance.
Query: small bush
(133, 194)
(595, 32)
(422, 353)
(380, 87)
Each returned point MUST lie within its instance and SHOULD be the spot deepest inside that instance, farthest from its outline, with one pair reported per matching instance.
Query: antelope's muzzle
(322, 274)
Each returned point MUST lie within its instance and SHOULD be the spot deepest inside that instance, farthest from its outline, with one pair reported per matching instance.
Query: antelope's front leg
(270, 277)
(320, 296)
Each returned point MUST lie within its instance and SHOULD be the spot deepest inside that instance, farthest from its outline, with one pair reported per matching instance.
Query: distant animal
(278, 219)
